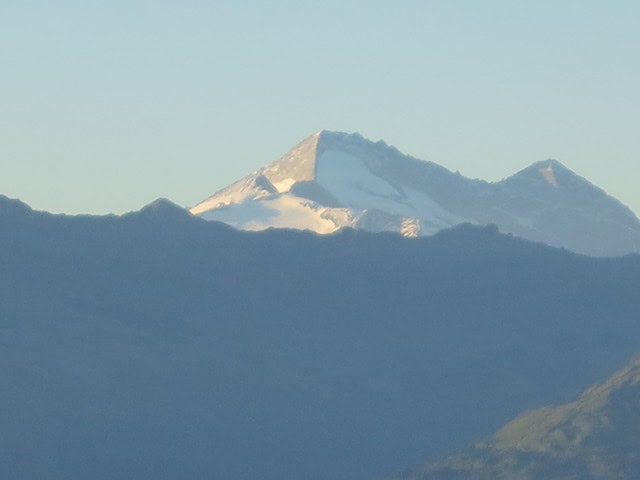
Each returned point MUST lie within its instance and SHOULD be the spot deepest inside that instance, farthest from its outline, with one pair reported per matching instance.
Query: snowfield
(333, 180)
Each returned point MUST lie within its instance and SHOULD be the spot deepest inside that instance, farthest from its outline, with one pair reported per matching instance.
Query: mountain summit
(333, 180)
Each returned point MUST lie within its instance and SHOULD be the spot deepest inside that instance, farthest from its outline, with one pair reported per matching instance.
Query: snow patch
(348, 179)
(285, 185)
(255, 186)
(410, 227)
(282, 211)
(549, 175)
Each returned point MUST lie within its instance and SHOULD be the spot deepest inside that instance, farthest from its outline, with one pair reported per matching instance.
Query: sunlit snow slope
(333, 180)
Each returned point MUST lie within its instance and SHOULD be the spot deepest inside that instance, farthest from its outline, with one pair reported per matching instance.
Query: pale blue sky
(106, 105)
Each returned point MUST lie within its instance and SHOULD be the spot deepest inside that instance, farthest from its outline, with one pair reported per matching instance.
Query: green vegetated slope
(597, 437)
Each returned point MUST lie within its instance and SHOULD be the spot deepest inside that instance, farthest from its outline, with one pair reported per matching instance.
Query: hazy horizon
(109, 106)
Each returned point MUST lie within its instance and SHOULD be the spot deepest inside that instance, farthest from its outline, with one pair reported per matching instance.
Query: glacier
(335, 180)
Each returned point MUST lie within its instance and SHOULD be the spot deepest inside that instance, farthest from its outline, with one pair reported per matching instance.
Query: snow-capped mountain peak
(549, 175)
(328, 181)
(549, 172)
(332, 180)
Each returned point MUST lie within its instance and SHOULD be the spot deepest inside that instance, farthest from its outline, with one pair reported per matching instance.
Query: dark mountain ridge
(158, 345)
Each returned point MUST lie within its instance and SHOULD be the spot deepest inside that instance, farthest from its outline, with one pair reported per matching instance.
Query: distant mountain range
(333, 180)
(157, 345)
(596, 437)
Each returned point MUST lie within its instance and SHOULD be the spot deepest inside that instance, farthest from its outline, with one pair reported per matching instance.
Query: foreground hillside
(596, 437)
(159, 346)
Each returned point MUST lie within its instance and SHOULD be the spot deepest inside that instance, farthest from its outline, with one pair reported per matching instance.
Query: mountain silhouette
(159, 345)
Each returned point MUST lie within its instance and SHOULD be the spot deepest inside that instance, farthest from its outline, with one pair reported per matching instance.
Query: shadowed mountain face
(596, 437)
(159, 346)
(333, 180)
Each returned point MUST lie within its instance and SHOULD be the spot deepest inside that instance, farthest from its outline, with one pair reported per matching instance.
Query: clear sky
(107, 105)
